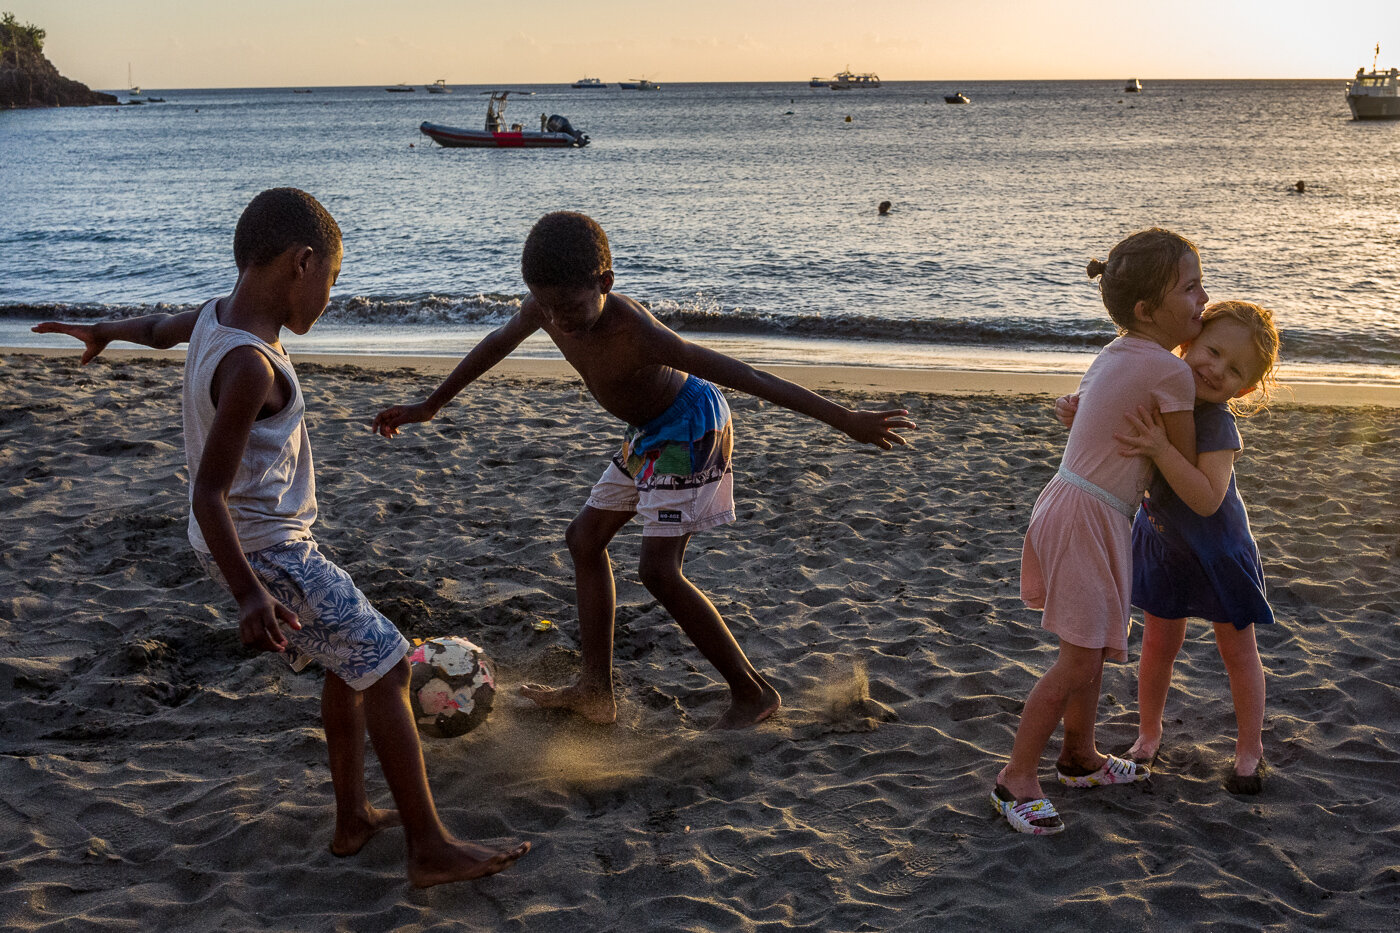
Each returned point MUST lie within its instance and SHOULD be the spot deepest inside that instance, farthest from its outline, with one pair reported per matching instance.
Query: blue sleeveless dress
(1189, 566)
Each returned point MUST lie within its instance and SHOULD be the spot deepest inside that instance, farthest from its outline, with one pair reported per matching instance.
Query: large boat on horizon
(848, 80)
(1374, 95)
(588, 82)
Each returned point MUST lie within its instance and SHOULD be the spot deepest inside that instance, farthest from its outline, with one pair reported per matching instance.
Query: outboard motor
(558, 124)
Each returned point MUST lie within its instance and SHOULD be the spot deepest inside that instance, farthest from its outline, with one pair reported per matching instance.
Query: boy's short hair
(280, 218)
(565, 248)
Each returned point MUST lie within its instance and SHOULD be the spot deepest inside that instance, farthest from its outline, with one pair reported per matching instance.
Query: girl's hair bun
(1096, 268)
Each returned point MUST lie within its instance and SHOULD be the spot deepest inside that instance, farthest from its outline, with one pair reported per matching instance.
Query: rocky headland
(28, 79)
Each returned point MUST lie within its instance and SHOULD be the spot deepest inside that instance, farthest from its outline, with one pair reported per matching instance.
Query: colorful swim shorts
(675, 471)
(339, 628)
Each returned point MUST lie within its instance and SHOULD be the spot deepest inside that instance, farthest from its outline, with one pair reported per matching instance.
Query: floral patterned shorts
(339, 628)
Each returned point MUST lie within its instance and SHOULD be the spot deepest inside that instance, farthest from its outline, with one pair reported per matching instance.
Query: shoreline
(820, 377)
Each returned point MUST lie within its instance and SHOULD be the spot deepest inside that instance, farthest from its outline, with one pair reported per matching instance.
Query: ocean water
(741, 214)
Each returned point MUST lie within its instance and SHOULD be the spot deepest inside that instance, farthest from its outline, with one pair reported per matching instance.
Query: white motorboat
(1375, 95)
(849, 80)
(438, 87)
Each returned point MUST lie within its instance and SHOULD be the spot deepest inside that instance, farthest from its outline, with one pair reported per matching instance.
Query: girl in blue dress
(1193, 554)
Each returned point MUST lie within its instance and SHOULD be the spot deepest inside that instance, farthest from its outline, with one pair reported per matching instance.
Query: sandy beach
(158, 776)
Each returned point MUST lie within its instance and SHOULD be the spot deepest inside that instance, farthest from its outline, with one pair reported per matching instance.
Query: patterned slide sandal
(1037, 817)
(1115, 770)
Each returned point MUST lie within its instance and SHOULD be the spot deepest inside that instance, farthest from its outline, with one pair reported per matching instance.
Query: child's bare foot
(594, 705)
(351, 834)
(1247, 777)
(1144, 751)
(744, 713)
(460, 861)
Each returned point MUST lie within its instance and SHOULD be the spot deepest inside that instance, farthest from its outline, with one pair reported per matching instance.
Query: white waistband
(1098, 492)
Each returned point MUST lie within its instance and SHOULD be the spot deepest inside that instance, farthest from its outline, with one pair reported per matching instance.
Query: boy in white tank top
(252, 505)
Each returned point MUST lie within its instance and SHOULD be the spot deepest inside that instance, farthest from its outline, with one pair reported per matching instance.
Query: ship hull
(1370, 107)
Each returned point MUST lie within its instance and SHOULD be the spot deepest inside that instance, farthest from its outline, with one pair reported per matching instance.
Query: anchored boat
(1375, 95)
(554, 132)
(848, 80)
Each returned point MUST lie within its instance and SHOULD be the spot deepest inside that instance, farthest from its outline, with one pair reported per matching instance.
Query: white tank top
(273, 496)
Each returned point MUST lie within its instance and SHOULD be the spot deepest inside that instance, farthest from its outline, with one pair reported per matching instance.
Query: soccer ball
(451, 688)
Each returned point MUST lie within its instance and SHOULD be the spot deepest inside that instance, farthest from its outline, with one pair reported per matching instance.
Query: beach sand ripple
(156, 775)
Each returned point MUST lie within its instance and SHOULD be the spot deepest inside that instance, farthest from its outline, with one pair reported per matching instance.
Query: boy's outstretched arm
(493, 348)
(880, 428)
(241, 386)
(158, 331)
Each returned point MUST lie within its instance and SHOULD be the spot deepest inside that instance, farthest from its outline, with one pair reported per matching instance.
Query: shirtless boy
(674, 465)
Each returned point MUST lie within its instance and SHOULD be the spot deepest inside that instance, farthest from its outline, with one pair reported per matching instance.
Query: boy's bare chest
(628, 386)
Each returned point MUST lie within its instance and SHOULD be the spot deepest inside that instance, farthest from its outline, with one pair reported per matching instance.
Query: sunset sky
(273, 43)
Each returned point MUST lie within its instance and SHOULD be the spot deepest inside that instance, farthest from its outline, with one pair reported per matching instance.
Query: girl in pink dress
(1076, 565)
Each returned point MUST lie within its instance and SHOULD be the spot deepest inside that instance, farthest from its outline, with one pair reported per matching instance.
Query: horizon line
(793, 81)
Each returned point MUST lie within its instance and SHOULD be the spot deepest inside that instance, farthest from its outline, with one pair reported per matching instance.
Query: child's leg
(591, 696)
(343, 717)
(1161, 641)
(435, 856)
(1240, 653)
(1075, 670)
(752, 698)
(1079, 753)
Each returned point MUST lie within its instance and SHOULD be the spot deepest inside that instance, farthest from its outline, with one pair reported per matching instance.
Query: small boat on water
(1374, 95)
(438, 87)
(818, 82)
(400, 89)
(588, 82)
(958, 98)
(848, 80)
(554, 132)
(639, 84)
(1133, 86)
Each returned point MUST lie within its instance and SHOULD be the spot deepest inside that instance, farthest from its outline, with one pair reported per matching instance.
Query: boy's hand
(1148, 437)
(1065, 408)
(387, 422)
(85, 332)
(879, 427)
(258, 618)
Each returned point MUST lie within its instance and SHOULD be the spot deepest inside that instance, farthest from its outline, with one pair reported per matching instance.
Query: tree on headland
(27, 38)
(28, 79)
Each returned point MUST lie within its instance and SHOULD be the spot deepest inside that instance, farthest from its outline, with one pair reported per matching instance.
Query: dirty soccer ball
(452, 686)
